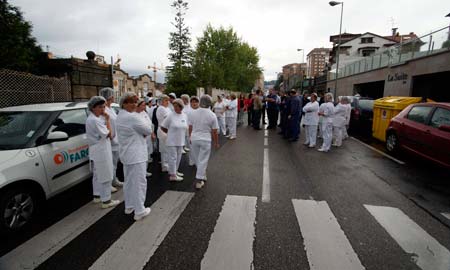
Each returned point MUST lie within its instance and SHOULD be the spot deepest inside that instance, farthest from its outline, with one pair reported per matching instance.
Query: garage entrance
(435, 86)
(374, 90)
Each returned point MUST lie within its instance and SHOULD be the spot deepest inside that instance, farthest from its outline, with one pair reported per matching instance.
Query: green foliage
(222, 60)
(179, 77)
(18, 49)
(446, 44)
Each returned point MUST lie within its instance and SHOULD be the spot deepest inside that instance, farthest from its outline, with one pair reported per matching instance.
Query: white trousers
(135, 187)
(149, 143)
(327, 133)
(115, 156)
(231, 123)
(163, 151)
(174, 157)
(310, 134)
(222, 126)
(201, 152)
(344, 133)
(100, 189)
(338, 134)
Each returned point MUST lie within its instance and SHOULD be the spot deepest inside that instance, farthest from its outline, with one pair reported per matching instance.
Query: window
(71, 122)
(440, 117)
(367, 40)
(419, 114)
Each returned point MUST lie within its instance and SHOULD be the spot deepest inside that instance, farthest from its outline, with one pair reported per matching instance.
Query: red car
(423, 129)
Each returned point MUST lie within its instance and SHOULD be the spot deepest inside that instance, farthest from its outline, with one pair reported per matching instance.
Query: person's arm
(141, 126)
(215, 138)
(165, 125)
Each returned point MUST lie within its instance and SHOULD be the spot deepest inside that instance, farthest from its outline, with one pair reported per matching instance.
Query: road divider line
(38, 249)
(266, 141)
(446, 215)
(425, 251)
(266, 178)
(379, 152)
(266, 133)
(231, 244)
(326, 245)
(137, 245)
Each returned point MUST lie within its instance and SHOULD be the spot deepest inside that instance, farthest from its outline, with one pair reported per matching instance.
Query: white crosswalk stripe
(135, 247)
(447, 215)
(427, 252)
(35, 251)
(231, 244)
(323, 235)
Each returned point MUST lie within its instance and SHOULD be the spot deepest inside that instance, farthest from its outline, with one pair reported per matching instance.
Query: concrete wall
(398, 78)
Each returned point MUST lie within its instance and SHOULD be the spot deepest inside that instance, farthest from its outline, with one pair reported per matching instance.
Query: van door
(67, 162)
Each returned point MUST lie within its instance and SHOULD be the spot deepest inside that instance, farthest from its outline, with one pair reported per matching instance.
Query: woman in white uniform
(98, 133)
(231, 115)
(194, 106)
(311, 120)
(176, 126)
(141, 110)
(339, 120)
(108, 94)
(187, 108)
(219, 110)
(161, 113)
(203, 126)
(347, 117)
(326, 110)
(132, 130)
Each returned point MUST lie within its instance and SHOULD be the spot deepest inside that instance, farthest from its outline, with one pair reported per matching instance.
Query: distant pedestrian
(231, 115)
(294, 116)
(348, 114)
(249, 108)
(326, 110)
(219, 110)
(241, 109)
(257, 109)
(203, 126)
(339, 121)
(194, 106)
(141, 110)
(161, 113)
(187, 109)
(272, 109)
(311, 120)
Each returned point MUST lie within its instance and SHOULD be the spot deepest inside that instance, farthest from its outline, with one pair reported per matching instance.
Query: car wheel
(392, 142)
(17, 208)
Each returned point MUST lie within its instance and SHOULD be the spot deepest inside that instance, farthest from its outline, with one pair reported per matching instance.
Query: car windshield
(18, 128)
(366, 104)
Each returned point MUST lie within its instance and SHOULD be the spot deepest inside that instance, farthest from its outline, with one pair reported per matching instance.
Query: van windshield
(18, 128)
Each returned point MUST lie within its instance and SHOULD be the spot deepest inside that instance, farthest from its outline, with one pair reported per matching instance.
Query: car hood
(7, 155)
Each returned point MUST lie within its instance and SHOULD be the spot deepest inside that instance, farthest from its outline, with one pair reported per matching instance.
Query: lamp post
(334, 3)
(448, 15)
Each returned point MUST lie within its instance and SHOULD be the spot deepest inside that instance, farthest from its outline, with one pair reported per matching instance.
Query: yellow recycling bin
(384, 109)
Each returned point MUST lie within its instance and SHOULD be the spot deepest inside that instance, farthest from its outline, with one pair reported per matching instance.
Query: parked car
(43, 151)
(362, 115)
(422, 129)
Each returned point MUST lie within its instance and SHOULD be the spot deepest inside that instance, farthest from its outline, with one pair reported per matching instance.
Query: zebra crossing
(232, 240)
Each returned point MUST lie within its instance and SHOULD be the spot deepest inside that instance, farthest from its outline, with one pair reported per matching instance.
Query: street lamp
(334, 3)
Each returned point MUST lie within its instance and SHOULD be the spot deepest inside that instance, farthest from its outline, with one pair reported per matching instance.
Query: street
(268, 204)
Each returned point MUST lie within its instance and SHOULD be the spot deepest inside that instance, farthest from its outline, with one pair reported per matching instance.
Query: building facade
(317, 60)
(123, 82)
(293, 75)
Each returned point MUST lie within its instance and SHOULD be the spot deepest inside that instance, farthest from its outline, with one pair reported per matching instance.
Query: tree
(180, 79)
(18, 48)
(222, 60)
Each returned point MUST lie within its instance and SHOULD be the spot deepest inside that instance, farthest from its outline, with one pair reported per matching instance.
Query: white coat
(348, 114)
(327, 109)
(340, 112)
(131, 129)
(100, 147)
(311, 111)
(112, 119)
(232, 109)
(219, 109)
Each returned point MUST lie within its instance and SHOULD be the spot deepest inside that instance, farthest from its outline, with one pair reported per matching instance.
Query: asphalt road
(348, 180)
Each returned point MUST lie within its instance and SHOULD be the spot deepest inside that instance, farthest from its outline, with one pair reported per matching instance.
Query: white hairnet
(179, 102)
(205, 101)
(172, 95)
(194, 98)
(106, 92)
(184, 96)
(126, 96)
(328, 97)
(95, 101)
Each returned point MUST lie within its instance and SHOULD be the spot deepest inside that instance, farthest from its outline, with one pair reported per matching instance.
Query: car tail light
(357, 114)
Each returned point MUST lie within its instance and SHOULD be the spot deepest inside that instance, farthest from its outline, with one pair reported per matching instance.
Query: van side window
(419, 114)
(72, 122)
(440, 117)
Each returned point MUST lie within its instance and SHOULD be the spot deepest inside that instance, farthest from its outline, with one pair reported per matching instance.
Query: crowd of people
(166, 125)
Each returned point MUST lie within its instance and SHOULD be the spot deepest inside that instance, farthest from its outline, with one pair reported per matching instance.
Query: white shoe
(306, 143)
(180, 174)
(322, 150)
(117, 183)
(176, 178)
(150, 160)
(113, 189)
(96, 200)
(164, 169)
(148, 174)
(128, 211)
(232, 138)
(183, 152)
(312, 146)
(228, 136)
(199, 184)
(147, 211)
(187, 149)
(111, 203)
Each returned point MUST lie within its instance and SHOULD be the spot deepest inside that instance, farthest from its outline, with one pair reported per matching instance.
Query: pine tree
(179, 77)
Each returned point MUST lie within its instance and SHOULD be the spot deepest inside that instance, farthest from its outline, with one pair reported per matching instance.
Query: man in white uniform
(132, 130)
(340, 112)
(231, 115)
(98, 133)
(326, 110)
(311, 120)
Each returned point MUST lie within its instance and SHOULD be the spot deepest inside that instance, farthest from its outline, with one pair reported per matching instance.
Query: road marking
(231, 244)
(134, 248)
(447, 215)
(379, 152)
(425, 251)
(266, 141)
(38, 249)
(323, 235)
(266, 178)
(266, 133)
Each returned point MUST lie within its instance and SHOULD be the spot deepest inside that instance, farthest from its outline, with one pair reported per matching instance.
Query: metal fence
(18, 88)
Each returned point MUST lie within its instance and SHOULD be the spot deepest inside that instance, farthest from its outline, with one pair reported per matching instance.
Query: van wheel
(17, 208)
(392, 142)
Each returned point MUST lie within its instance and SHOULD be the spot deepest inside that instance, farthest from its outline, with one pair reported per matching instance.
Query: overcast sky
(138, 30)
